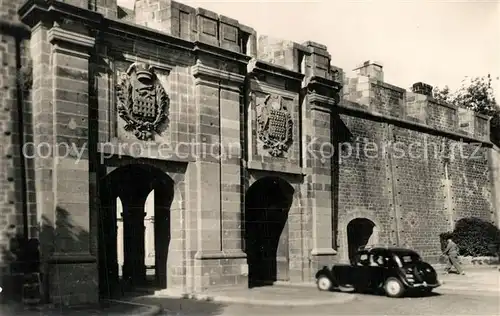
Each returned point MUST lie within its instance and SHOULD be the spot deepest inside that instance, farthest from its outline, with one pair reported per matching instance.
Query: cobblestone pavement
(112, 309)
(477, 293)
(444, 303)
(478, 279)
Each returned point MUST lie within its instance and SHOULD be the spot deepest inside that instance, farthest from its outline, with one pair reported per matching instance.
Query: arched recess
(132, 184)
(363, 227)
(267, 204)
(359, 233)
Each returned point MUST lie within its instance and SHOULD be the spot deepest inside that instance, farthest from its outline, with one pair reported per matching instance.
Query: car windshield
(404, 259)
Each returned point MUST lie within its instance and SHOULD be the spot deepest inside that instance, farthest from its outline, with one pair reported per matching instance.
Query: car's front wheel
(394, 288)
(324, 283)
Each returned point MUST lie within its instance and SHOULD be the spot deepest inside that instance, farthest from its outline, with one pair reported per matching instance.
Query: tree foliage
(476, 94)
(474, 237)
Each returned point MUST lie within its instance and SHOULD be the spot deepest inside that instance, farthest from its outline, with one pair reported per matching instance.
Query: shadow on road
(412, 294)
(172, 306)
(425, 294)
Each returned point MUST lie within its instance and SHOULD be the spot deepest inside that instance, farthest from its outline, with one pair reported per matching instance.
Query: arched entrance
(359, 231)
(268, 201)
(134, 228)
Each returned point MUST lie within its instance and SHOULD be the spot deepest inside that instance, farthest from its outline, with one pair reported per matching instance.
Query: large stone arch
(343, 233)
(133, 183)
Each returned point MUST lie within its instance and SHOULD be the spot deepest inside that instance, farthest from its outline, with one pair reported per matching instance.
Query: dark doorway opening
(134, 229)
(267, 203)
(359, 231)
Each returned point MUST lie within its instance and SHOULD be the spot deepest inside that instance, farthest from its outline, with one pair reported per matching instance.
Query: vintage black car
(391, 270)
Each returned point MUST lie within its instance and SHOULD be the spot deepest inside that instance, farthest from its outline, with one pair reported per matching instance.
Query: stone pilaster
(219, 258)
(60, 52)
(72, 257)
(322, 96)
(319, 165)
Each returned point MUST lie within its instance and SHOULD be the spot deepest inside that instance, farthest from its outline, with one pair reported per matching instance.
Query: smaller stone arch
(358, 222)
(267, 204)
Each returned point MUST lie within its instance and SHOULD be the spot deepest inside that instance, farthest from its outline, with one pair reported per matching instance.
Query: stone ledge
(346, 106)
(58, 34)
(256, 66)
(202, 70)
(201, 47)
(321, 99)
(274, 166)
(323, 252)
(116, 150)
(34, 11)
(386, 85)
(215, 254)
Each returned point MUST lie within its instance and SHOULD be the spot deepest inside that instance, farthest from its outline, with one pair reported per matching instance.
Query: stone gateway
(176, 150)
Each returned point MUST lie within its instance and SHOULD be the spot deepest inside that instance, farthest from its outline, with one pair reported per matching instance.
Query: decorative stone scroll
(274, 126)
(142, 101)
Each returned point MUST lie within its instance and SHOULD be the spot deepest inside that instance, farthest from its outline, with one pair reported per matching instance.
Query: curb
(289, 284)
(152, 310)
(471, 267)
(468, 290)
(337, 298)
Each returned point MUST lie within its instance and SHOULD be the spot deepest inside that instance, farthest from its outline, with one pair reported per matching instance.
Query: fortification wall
(422, 164)
(216, 72)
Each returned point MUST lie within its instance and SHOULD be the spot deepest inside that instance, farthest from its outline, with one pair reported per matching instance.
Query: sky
(437, 42)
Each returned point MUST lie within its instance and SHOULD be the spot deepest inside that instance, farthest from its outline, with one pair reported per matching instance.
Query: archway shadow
(267, 203)
(359, 231)
(132, 184)
(24, 260)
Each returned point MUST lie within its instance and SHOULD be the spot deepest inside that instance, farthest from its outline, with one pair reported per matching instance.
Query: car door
(378, 270)
(372, 272)
(361, 270)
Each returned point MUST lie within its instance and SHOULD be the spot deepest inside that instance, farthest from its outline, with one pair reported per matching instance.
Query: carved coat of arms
(274, 126)
(142, 101)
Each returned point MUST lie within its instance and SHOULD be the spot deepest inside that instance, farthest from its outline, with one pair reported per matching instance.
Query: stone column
(319, 179)
(206, 174)
(217, 174)
(322, 96)
(208, 169)
(231, 210)
(61, 110)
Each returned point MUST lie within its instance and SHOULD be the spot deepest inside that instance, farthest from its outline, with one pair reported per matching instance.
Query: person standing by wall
(451, 254)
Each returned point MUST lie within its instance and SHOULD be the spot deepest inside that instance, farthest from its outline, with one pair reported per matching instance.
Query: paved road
(442, 303)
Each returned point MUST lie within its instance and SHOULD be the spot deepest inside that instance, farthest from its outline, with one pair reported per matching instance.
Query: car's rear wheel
(394, 288)
(324, 283)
